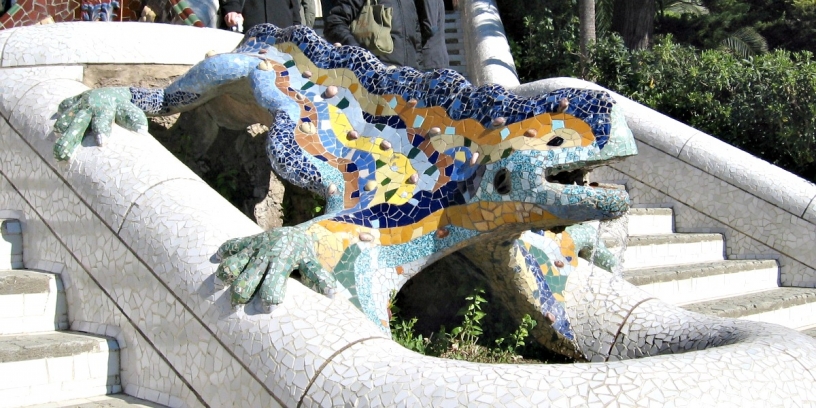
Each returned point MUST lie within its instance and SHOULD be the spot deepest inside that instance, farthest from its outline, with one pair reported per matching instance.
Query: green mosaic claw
(98, 108)
(585, 236)
(266, 260)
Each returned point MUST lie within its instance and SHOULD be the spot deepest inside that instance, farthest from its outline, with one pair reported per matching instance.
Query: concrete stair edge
(756, 303)
(31, 301)
(57, 366)
(643, 276)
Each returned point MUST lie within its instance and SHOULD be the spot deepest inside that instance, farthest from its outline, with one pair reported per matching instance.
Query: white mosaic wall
(132, 233)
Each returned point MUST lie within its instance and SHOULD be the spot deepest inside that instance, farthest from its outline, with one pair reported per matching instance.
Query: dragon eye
(556, 141)
(501, 182)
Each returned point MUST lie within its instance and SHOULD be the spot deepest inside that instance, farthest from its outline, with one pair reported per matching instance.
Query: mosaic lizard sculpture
(413, 166)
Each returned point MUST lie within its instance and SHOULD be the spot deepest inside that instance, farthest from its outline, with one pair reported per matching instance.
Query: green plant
(518, 339)
(463, 342)
(226, 183)
(402, 331)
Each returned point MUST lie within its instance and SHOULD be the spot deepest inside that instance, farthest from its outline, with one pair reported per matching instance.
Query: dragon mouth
(599, 201)
(573, 177)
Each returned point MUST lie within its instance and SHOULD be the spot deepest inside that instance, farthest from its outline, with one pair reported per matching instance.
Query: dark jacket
(404, 28)
(282, 13)
(434, 54)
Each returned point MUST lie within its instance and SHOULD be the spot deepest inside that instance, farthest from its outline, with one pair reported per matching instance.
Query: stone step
(650, 221)
(31, 302)
(790, 307)
(56, 366)
(11, 244)
(683, 284)
(649, 251)
(102, 401)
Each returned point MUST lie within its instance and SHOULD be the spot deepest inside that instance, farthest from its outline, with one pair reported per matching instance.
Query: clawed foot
(266, 260)
(97, 108)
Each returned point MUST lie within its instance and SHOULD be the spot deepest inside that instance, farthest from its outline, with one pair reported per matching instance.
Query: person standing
(434, 53)
(404, 28)
(307, 12)
(249, 13)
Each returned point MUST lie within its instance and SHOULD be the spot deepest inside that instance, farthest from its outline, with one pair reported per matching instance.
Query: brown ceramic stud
(330, 92)
(474, 158)
(550, 317)
(563, 104)
(307, 127)
(265, 65)
(263, 51)
(442, 233)
(413, 179)
(434, 131)
(498, 122)
(352, 135)
(413, 103)
(385, 145)
(307, 74)
(559, 263)
(531, 133)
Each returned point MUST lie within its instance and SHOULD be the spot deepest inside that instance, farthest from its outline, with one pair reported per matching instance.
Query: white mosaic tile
(33, 114)
(4, 36)
(54, 44)
(158, 272)
(114, 266)
(18, 81)
(755, 176)
(88, 302)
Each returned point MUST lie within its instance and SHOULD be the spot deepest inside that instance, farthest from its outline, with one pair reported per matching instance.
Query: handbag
(372, 28)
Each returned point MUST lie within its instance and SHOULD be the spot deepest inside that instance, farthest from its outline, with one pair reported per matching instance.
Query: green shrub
(765, 104)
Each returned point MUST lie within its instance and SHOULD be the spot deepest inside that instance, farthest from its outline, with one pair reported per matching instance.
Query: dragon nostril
(556, 141)
(501, 182)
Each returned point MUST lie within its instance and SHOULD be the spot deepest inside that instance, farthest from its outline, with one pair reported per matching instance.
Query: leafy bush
(765, 104)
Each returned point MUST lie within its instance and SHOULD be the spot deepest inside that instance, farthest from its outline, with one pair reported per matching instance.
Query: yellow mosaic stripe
(398, 168)
(341, 77)
(480, 216)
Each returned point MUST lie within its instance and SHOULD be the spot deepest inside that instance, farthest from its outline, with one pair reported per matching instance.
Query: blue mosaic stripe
(445, 88)
(156, 102)
(545, 296)
(288, 159)
(392, 215)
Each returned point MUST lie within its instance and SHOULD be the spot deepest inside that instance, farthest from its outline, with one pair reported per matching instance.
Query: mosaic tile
(48, 45)
(188, 345)
(340, 113)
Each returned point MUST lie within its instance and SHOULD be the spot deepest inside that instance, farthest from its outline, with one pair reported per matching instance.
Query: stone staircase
(40, 361)
(453, 37)
(690, 270)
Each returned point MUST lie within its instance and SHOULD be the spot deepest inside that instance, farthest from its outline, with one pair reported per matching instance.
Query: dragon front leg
(263, 262)
(128, 107)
